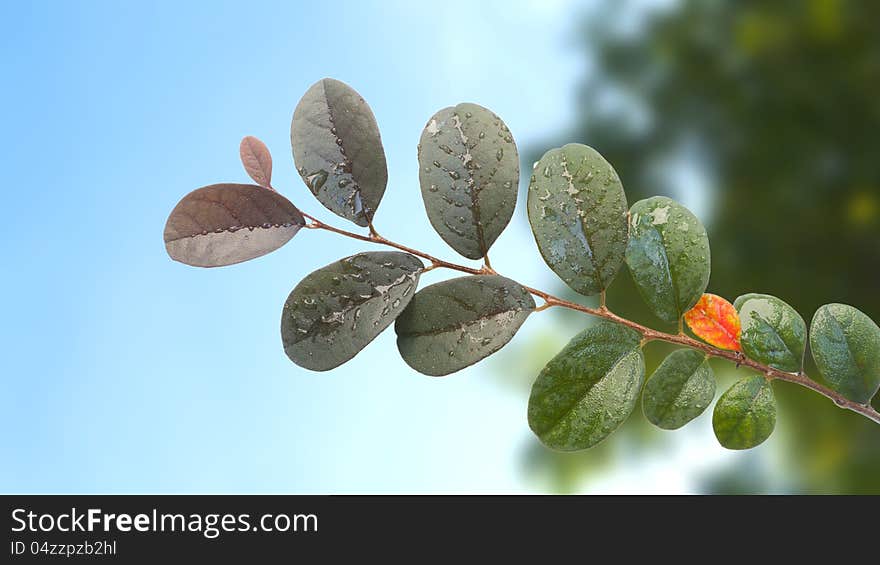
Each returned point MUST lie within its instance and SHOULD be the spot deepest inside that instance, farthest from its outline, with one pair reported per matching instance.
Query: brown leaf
(223, 224)
(257, 160)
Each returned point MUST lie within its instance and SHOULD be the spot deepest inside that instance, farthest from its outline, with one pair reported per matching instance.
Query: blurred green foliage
(774, 109)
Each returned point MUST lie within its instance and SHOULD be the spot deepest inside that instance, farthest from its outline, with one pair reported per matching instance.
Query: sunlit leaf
(745, 415)
(846, 347)
(668, 256)
(589, 389)
(715, 321)
(469, 175)
(338, 151)
(679, 390)
(337, 310)
(577, 210)
(773, 333)
(455, 323)
(223, 224)
(256, 159)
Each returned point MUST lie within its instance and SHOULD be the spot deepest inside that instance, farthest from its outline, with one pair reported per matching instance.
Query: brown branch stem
(648, 334)
(374, 237)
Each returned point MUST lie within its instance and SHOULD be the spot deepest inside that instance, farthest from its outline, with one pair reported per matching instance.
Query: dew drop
(316, 180)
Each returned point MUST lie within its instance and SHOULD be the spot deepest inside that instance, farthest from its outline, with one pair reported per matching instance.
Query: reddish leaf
(715, 321)
(257, 160)
(224, 224)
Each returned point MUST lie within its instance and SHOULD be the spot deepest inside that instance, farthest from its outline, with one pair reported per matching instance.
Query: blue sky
(126, 372)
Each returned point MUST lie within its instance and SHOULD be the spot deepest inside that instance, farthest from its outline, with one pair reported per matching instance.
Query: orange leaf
(715, 321)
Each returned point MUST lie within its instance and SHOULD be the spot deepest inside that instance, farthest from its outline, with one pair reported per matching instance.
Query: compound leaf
(773, 333)
(577, 210)
(256, 159)
(453, 324)
(469, 176)
(714, 320)
(745, 415)
(679, 390)
(337, 310)
(224, 224)
(337, 150)
(589, 389)
(846, 347)
(668, 256)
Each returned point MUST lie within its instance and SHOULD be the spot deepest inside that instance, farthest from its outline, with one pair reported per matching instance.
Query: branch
(602, 311)
(374, 237)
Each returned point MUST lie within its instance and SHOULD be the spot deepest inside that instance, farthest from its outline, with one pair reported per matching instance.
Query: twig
(376, 238)
(648, 334)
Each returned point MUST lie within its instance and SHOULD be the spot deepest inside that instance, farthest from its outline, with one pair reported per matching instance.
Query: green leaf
(679, 390)
(224, 224)
(745, 415)
(589, 389)
(469, 174)
(740, 300)
(846, 347)
(453, 324)
(577, 210)
(338, 151)
(337, 310)
(773, 333)
(668, 256)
